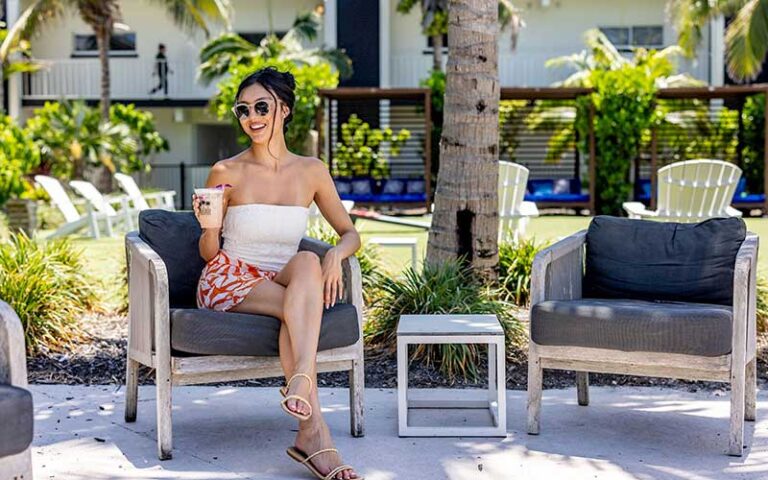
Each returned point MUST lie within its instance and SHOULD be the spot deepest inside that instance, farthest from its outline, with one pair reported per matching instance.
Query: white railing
(130, 78)
(521, 69)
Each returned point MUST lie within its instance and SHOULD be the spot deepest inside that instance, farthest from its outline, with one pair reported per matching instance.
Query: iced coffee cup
(211, 206)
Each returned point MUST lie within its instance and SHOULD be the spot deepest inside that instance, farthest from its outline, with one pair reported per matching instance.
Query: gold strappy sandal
(284, 401)
(305, 460)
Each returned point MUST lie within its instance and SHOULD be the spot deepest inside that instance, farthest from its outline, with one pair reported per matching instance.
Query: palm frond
(30, 23)
(603, 51)
(193, 15)
(746, 41)
(306, 26)
(510, 17)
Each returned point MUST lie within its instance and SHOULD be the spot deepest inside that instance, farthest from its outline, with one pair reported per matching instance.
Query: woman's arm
(329, 203)
(210, 240)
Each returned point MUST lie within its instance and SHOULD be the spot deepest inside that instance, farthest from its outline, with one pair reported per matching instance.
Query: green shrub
(448, 288)
(368, 256)
(515, 265)
(359, 152)
(309, 78)
(45, 283)
(18, 156)
(752, 162)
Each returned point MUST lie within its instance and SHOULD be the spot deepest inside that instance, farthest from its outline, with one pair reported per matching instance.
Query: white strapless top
(264, 235)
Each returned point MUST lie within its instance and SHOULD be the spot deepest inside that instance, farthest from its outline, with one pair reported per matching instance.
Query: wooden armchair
(585, 320)
(186, 345)
(16, 410)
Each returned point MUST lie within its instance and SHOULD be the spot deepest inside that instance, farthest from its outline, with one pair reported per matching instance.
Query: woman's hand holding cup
(208, 206)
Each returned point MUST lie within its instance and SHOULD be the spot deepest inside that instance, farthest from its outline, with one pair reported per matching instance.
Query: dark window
(256, 37)
(119, 43)
(625, 38)
(430, 43)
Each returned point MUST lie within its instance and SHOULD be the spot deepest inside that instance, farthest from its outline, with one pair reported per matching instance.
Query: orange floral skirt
(226, 281)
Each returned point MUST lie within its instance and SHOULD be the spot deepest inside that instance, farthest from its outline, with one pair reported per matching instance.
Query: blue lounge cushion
(662, 261)
(555, 190)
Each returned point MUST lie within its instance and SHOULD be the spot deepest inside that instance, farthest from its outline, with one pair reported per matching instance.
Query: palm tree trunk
(466, 221)
(102, 40)
(437, 53)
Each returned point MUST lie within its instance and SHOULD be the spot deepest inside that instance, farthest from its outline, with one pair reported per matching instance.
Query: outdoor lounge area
(385, 239)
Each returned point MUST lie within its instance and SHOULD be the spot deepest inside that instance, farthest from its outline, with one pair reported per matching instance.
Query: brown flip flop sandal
(305, 460)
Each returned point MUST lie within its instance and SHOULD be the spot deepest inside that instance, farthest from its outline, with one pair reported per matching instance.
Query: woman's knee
(308, 263)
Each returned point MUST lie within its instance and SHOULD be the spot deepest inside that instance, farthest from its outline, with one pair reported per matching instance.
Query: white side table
(462, 329)
(410, 242)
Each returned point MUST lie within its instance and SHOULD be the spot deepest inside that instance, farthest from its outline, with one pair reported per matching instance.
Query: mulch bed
(99, 358)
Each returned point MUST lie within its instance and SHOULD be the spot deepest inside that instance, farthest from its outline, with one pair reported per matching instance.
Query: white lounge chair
(73, 220)
(692, 191)
(514, 212)
(103, 205)
(128, 185)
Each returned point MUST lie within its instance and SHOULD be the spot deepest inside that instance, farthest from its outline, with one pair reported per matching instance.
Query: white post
(14, 82)
(329, 24)
(717, 51)
(384, 31)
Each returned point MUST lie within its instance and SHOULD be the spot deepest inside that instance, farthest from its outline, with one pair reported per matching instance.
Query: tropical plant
(515, 267)
(746, 37)
(71, 135)
(220, 54)
(761, 309)
(434, 23)
(45, 283)
(465, 220)
(368, 256)
(447, 288)
(102, 16)
(18, 157)
(753, 137)
(309, 79)
(436, 85)
(359, 153)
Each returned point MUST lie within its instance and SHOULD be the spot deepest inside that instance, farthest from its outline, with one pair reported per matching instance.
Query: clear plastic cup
(211, 206)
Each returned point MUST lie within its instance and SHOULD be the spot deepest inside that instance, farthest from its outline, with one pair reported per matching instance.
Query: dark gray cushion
(209, 332)
(662, 261)
(634, 326)
(16, 420)
(175, 236)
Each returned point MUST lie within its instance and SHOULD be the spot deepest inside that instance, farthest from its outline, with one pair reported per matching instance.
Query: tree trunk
(437, 52)
(466, 220)
(103, 34)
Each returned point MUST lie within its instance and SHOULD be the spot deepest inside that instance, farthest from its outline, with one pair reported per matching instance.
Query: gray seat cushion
(16, 420)
(209, 332)
(634, 326)
(175, 236)
(662, 261)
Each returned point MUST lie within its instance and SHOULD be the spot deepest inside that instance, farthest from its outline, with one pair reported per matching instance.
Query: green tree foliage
(18, 157)
(309, 79)
(359, 154)
(70, 136)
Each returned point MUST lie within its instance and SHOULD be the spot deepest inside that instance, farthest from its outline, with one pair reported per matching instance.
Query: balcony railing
(521, 69)
(130, 78)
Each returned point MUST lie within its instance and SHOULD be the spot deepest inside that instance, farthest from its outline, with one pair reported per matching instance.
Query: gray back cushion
(175, 237)
(647, 260)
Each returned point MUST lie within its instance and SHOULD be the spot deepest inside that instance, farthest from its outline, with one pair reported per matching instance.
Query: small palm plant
(446, 288)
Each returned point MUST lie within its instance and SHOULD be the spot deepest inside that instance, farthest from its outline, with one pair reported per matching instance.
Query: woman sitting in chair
(259, 269)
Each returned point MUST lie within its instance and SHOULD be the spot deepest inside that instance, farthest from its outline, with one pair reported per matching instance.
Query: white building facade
(387, 49)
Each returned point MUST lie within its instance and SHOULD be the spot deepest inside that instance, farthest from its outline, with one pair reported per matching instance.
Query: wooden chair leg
(131, 389)
(164, 430)
(356, 392)
(582, 388)
(750, 397)
(535, 378)
(736, 436)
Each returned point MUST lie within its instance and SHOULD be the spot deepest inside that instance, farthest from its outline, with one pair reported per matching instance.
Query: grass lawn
(105, 257)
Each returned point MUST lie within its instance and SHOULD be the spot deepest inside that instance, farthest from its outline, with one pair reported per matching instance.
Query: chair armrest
(149, 327)
(637, 210)
(350, 271)
(13, 357)
(732, 212)
(745, 300)
(558, 270)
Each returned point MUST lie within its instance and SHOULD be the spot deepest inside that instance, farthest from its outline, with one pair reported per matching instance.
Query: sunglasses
(243, 110)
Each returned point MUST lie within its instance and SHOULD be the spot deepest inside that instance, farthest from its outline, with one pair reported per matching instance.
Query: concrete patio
(240, 433)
